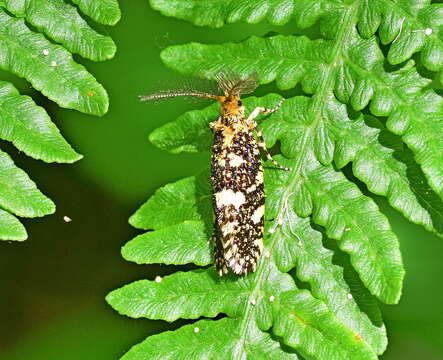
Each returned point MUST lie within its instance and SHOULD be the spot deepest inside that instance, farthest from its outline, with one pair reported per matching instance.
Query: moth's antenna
(172, 93)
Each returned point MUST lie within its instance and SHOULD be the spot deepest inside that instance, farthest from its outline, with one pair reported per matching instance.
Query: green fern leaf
(63, 23)
(217, 13)
(329, 251)
(296, 312)
(331, 278)
(37, 136)
(218, 337)
(19, 194)
(105, 12)
(48, 73)
(11, 228)
(411, 26)
(50, 68)
(201, 293)
(164, 245)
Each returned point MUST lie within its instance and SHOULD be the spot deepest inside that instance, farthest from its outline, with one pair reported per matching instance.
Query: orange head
(231, 105)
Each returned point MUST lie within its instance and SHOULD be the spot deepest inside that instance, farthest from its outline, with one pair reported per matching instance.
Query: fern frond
(329, 251)
(51, 69)
(181, 215)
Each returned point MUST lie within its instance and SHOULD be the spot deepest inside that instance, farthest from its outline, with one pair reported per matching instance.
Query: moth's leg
(216, 125)
(261, 142)
(262, 145)
(262, 110)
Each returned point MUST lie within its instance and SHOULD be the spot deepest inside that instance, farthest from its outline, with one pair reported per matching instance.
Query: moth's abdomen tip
(242, 267)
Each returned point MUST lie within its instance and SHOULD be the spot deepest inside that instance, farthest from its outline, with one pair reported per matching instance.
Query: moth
(236, 174)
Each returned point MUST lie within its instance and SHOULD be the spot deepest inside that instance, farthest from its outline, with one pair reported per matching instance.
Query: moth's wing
(234, 84)
(240, 239)
(219, 258)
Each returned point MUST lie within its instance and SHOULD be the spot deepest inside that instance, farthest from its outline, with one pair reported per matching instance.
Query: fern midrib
(349, 21)
(318, 100)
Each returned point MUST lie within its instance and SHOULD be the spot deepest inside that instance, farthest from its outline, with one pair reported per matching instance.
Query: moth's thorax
(232, 108)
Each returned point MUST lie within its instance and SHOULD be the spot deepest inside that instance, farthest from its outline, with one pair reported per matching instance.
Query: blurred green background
(53, 285)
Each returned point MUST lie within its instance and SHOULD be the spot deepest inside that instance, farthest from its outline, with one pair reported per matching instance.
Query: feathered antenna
(174, 93)
(227, 81)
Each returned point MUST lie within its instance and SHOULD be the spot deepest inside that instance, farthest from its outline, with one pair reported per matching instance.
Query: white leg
(262, 110)
(261, 142)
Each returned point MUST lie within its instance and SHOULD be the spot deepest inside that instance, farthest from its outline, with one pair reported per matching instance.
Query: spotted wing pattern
(238, 198)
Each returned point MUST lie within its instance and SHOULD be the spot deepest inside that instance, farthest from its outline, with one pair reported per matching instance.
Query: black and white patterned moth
(236, 175)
